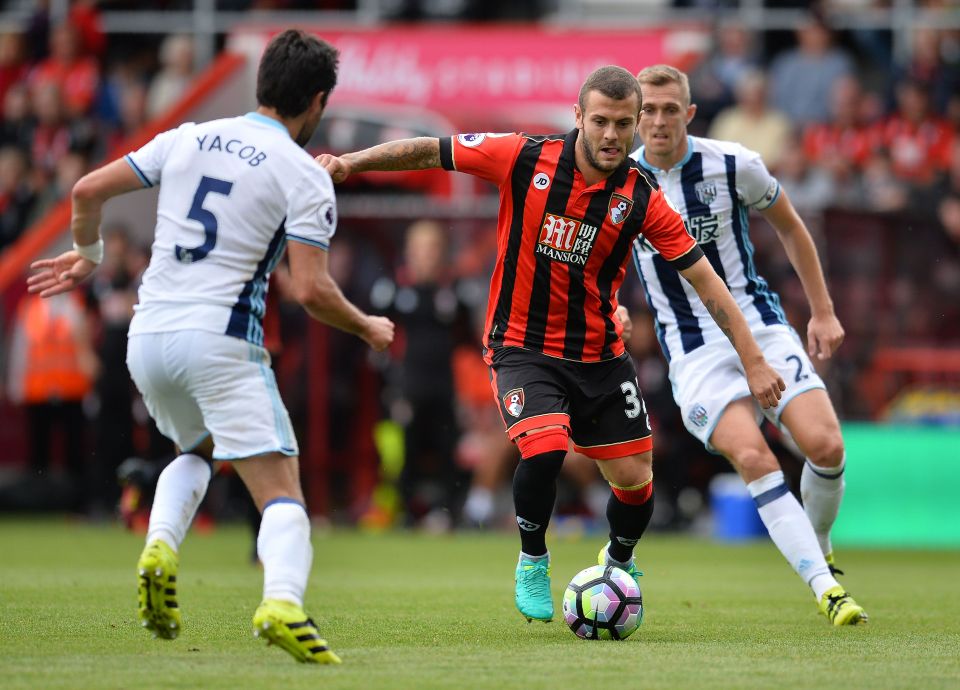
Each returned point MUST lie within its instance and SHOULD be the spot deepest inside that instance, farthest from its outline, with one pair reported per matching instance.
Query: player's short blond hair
(661, 75)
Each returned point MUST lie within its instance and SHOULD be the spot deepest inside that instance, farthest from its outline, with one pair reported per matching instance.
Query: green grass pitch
(412, 611)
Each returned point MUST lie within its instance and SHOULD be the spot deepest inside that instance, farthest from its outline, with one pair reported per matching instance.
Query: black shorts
(599, 402)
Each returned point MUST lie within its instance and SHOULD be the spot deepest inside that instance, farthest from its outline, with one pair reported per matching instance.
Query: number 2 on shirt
(206, 218)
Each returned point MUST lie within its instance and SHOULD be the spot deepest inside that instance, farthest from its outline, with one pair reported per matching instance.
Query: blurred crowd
(868, 147)
(67, 96)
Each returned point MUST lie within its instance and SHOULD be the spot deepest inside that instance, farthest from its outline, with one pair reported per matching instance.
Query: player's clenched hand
(765, 383)
(378, 333)
(60, 274)
(624, 316)
(824, 336)
(338, 168)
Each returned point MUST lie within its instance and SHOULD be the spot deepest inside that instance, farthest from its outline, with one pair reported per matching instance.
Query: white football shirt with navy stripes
(713, 188)
(232, 192)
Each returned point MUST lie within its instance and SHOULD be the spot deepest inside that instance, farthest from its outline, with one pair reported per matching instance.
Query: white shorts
(711, 377)
(196, 383)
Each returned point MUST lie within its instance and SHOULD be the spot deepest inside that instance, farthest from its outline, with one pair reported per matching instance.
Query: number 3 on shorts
(635, 405)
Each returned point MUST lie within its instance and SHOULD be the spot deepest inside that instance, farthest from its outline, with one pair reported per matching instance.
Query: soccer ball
(603, 603)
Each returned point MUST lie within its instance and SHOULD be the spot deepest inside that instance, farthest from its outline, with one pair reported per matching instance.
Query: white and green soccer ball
(603, 602)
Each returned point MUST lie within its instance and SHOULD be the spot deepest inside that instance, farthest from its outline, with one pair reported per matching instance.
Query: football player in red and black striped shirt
(570, 207)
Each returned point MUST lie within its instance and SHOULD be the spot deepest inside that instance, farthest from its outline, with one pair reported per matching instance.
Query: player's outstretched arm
(824, 332)
(65, 272)
(765, 383)
(317, 292)
(419, 153)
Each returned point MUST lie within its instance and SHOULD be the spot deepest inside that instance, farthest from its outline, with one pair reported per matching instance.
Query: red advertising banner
(458, 69)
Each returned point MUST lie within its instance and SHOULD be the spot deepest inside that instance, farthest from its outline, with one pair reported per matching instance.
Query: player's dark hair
(294, 68)
(613, 82)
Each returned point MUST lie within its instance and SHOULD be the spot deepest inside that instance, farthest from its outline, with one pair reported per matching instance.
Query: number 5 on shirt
(205, 218)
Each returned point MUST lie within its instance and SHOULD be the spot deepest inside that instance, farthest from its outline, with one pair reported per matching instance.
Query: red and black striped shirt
(563, 247)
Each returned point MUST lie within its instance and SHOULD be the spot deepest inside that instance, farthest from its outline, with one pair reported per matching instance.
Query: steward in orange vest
(51, 358)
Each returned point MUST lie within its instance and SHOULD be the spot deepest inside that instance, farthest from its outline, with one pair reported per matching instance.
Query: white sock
(610, 560)
(790, 530)
(528, 557)
(822, 490)
(285, 550)
(180, 489)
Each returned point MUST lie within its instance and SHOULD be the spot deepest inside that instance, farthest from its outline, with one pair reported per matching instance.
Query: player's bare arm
(824, 331)
(63, 273)
(722, 319)
(316, 291)
(419, 153)
(764, 382)
(625, 321)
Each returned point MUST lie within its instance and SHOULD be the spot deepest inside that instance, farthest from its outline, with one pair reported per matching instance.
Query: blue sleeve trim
(325, 246)
(772, 201)
(143, 178)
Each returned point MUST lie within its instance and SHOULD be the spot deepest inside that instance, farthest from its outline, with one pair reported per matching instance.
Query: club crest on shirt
(619, 208)
(706, 191)
(513, 402)
(698, 416)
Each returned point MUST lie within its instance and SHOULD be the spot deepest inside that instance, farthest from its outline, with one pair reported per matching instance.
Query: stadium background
(873, 164)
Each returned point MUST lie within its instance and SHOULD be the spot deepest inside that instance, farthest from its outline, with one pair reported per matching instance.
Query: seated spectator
(918, 141)
(715, 78)
(13, 66)
(16, 127)
(68, 169)
(85, 16)
(880, 188)
(843, 144)
(949, 215)
(927, 64)
(811, 188)
(77, 75)
(751, 123)
(133, 107)
(17, 196)
(802, 79)
(51, 135)
(176, 56)
(947, 193)
(952, 114)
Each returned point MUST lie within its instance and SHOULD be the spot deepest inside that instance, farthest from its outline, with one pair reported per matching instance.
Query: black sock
(627, 524)
(534, 493)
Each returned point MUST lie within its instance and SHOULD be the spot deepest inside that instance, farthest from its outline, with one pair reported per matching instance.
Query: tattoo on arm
(722, 319)
(405, 154)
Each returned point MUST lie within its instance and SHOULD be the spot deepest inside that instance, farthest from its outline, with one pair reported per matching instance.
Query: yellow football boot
(284, 624)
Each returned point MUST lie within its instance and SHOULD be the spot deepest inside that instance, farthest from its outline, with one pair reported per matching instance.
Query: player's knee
(827, 449)
(625, 472)
(753, 463)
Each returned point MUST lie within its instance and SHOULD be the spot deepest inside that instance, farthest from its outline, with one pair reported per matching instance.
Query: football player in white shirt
(713, 184)
(233, 194)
